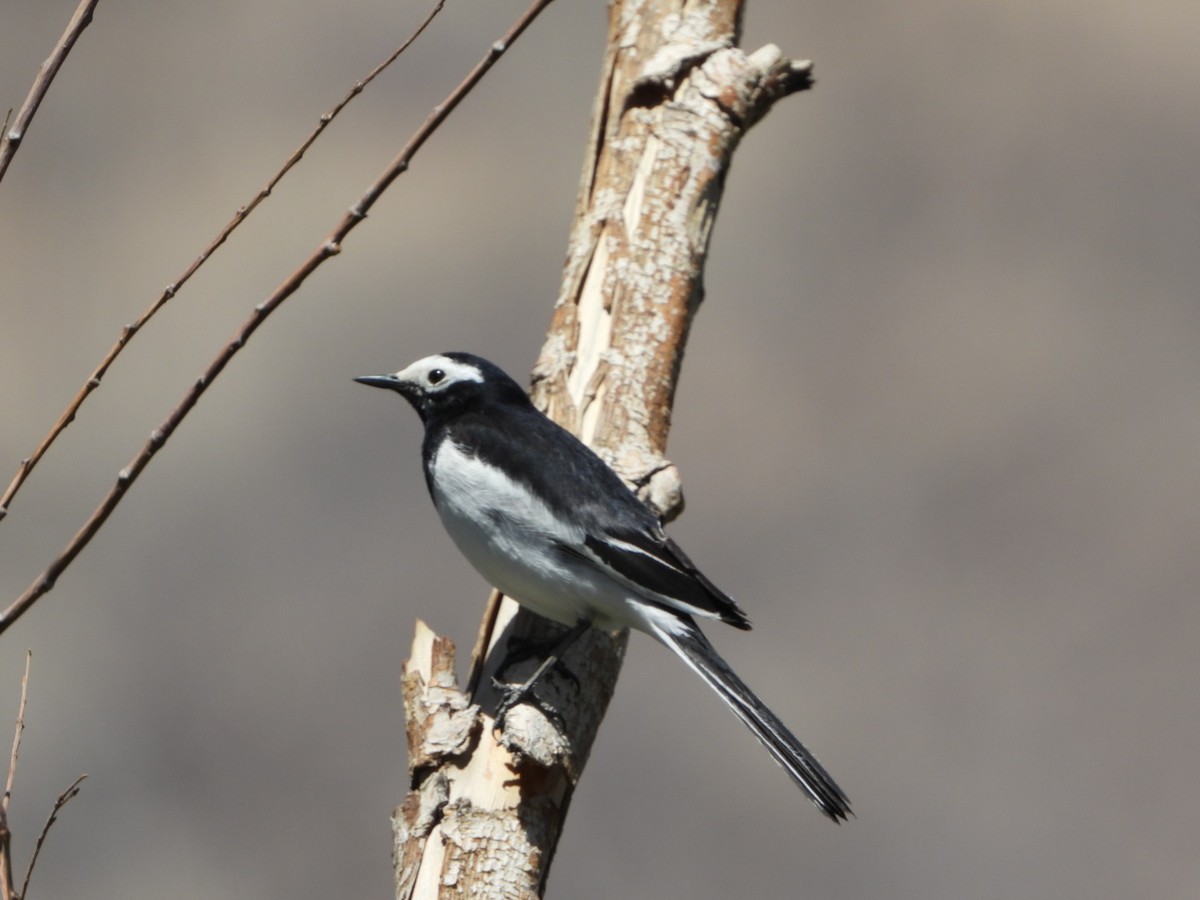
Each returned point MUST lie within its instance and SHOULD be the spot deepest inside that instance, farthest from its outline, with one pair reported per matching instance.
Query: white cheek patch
(456, 373)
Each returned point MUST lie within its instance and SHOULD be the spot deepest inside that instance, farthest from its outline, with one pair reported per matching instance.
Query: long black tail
(686, 639)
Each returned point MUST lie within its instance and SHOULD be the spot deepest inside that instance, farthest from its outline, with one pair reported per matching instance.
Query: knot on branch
(745, 87)
(662, 490)
(664, 71)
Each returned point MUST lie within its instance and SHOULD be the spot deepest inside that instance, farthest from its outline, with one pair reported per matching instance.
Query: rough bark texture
(676, 96)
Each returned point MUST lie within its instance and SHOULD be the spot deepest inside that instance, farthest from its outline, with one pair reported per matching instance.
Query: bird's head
(446, 382)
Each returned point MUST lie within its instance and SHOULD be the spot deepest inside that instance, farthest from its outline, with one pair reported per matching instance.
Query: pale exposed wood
(676, 95)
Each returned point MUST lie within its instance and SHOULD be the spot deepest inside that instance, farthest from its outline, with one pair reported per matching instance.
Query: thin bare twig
(6, 865)
(243, 212)
(331, 246)
(63, 800)
(12, 138)
(19, 730)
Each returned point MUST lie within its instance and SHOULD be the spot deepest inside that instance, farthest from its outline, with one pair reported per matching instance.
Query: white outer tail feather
(689, 643)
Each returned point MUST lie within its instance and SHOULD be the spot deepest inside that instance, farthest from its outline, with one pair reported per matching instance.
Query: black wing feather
(655, 562)
(623, 534)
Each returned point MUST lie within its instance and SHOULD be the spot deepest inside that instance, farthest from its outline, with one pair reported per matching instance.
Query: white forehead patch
(424, 373)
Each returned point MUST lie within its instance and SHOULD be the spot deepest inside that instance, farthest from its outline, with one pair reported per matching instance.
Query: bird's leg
(522, 649)
(512, 695)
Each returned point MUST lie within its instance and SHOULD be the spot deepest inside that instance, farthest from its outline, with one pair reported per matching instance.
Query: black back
(568, 475)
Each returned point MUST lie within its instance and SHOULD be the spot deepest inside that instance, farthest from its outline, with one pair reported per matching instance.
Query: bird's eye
(436, 375)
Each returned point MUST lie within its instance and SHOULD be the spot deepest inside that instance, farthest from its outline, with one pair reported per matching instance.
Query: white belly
(509, 536)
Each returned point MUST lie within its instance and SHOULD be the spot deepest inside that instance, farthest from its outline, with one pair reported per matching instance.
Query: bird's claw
(520, 650)
(514, 695)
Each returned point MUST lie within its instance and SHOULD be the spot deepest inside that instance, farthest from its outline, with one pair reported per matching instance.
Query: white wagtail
(548, 523)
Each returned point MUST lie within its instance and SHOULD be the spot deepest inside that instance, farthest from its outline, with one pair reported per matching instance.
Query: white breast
(508, 535)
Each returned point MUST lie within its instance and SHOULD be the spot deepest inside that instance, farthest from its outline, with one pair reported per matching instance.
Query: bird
(548, 523)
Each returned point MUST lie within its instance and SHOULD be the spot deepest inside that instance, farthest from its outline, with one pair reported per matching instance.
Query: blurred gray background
(938, 426)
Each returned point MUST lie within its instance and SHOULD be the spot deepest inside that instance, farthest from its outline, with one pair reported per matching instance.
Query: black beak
(391, 382)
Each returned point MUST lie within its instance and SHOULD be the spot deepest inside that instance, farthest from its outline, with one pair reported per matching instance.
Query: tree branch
(676, 95)
(63, 799)
(12, 137)
(6, 861)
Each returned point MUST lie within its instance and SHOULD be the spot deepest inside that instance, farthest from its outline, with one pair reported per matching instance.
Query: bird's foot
(512, 695)
(521, 650)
